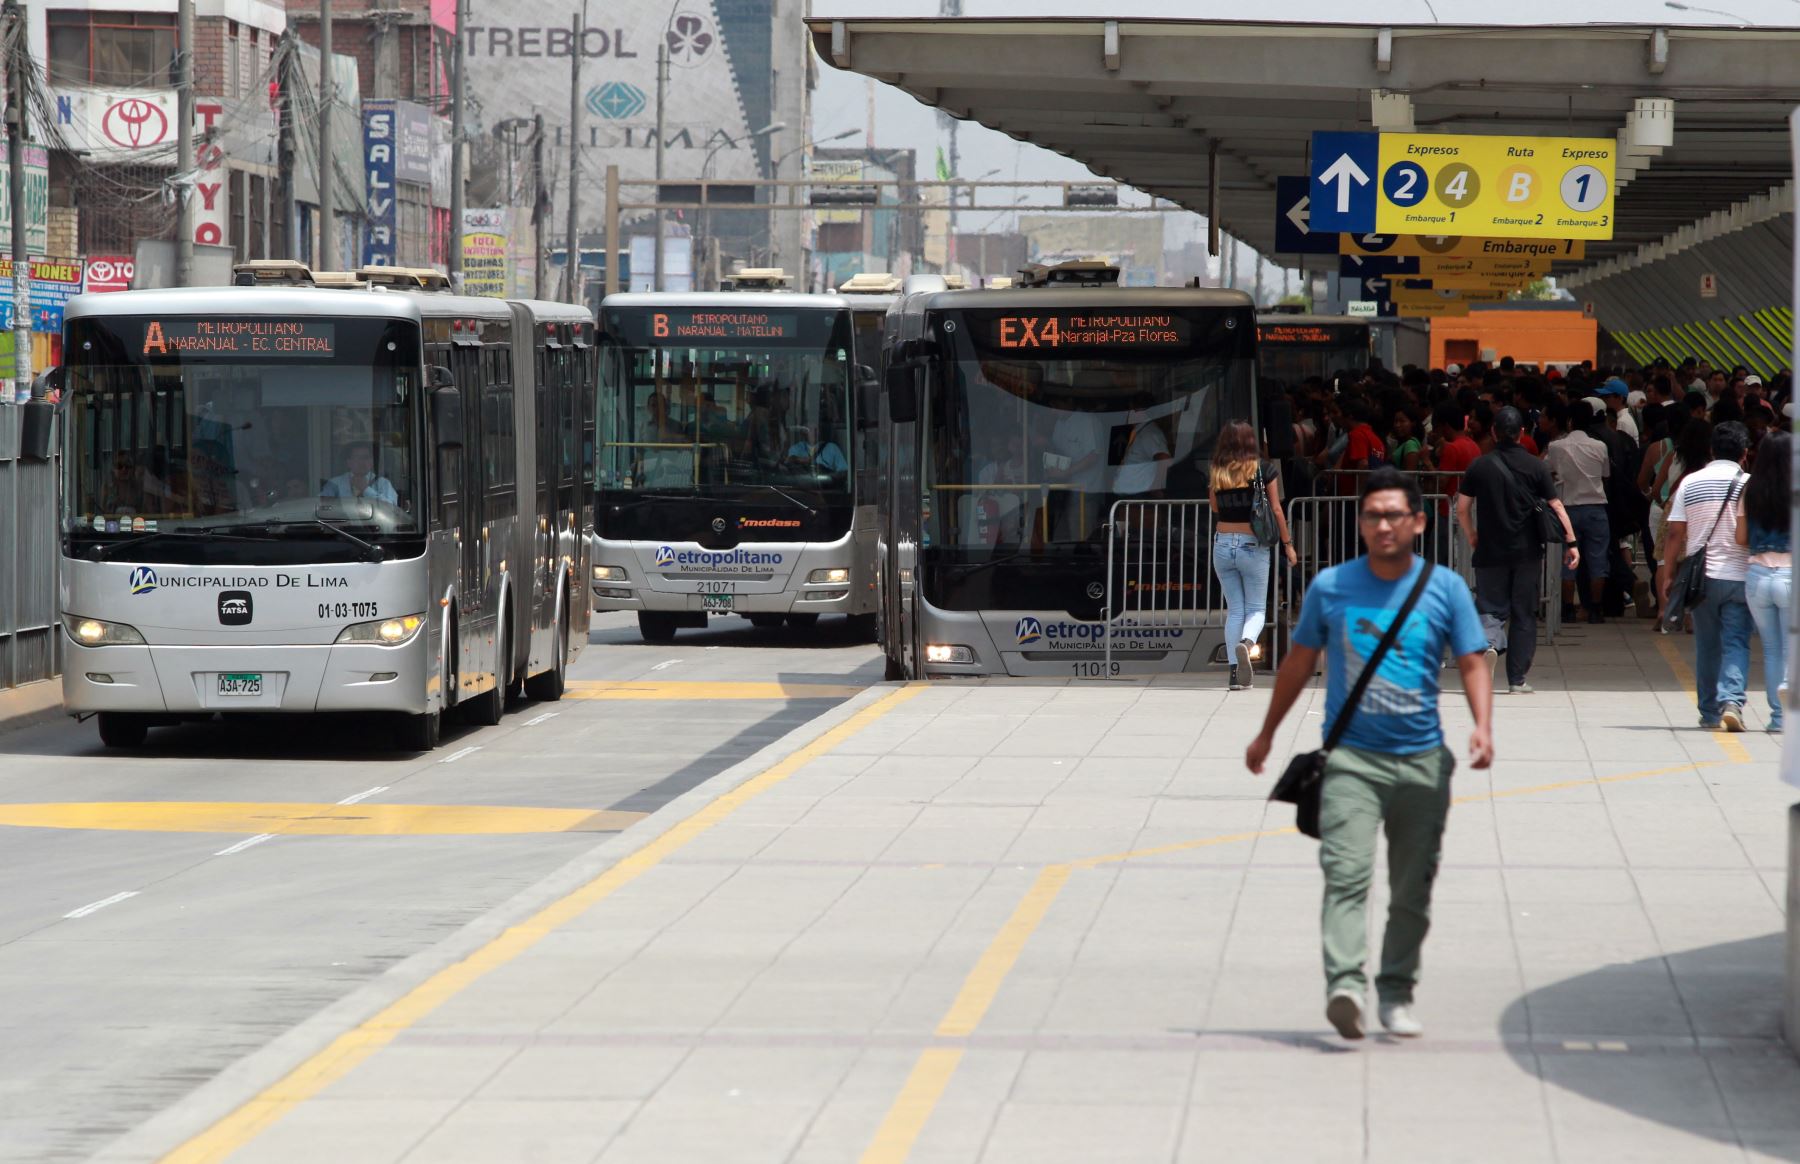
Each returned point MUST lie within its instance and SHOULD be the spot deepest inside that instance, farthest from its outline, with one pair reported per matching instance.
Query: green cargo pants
(1410, 795)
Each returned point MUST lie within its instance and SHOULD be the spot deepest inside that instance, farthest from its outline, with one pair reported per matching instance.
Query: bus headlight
(610, 574)
(386, 632)
(93, 632)
(829, 577)
(946, 653)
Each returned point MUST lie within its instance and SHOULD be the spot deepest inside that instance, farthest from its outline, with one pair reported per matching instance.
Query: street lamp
(772, 128)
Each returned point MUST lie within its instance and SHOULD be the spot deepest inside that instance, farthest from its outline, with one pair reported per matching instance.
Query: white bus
(994, 520)
(279, 497)
(731, 479)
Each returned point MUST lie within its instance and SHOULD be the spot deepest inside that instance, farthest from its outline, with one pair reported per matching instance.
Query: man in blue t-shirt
(1391, 766)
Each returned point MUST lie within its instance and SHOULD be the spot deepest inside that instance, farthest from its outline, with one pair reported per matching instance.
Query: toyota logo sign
(134, 123)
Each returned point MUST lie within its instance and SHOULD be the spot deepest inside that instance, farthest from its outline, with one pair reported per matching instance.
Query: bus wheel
(417, 733)
(119, 729)
(864, 628)
(802, 621)
(486, 709)
(656, 627)
(765, 621)
(548, 687)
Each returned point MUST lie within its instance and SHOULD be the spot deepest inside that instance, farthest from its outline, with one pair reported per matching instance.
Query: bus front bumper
(178, 680)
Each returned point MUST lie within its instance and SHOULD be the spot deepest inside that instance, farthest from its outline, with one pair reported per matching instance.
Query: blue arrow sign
(1293, 208)
(1375, 266)
(1343, 185)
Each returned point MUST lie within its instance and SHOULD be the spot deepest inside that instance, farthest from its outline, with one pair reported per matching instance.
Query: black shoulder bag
(1304, 779)
(1688, 588)
(1549, 526)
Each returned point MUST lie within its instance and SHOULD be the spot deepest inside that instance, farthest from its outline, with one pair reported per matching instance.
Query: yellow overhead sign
(1404, 295)
(1521, 187)
(1459, 247)
(1431, 308)
(1528, 267)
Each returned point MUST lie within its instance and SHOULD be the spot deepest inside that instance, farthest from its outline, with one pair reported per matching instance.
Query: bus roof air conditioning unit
(269, 272)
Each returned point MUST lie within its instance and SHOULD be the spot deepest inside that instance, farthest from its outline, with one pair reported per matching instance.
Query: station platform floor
(1047, 922)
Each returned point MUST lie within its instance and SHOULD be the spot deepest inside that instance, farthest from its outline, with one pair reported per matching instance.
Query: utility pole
(662, 92)
(612, 230)
(15, 158)
(540, 208)
(453, 260)
(285, 147)
(572, 242)
(328, 252)
(184, 146)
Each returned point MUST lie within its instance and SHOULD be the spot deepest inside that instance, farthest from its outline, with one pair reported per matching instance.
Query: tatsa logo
(665, 555)
(1029, 630)
(143, 580)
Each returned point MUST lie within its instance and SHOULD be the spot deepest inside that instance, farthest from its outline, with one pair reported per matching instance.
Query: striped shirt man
(1701, 502)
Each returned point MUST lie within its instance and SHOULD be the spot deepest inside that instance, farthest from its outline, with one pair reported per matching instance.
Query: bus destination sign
(255, 339)
(713, 324)
(1089, 329)
(1290, 333)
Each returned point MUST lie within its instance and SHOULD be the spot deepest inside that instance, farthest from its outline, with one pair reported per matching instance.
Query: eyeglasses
(1380, 517)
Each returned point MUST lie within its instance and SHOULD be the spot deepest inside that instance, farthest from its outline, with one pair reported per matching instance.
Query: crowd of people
(1636, 468)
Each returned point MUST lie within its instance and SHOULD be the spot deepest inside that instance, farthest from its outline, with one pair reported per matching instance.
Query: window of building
(130, 49)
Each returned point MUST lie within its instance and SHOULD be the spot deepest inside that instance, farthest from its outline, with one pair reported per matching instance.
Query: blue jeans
(1243, 570)
(1766, 594)
(1721, 648)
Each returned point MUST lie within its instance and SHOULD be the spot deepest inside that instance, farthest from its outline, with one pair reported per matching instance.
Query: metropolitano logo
(143, 580)
(665, 556)
(1029, 630)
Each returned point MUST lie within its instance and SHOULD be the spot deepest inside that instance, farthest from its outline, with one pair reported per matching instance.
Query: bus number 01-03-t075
(347, 610)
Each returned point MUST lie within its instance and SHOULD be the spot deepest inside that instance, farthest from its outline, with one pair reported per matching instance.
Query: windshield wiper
(778, 489)
(101, 553)
(371, 551)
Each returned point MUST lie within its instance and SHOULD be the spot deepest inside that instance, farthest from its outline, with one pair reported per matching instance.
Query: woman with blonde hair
(1239, 479)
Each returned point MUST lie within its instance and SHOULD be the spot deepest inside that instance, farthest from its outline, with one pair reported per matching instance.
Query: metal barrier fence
(1159, 564)
(29, 647)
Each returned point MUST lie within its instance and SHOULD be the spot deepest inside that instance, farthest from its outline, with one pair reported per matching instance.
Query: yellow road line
(983, 983)
(316, 820)
(907, 1118)
(349, 1049)
(706, 689)
(1728, 742)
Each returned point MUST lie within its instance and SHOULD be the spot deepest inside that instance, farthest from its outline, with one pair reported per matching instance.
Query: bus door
(465, 366)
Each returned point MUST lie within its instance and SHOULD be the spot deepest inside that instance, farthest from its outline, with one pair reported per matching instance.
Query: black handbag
(1688, 589)
(1304, 779)
(1549, 526)
(1262, 516)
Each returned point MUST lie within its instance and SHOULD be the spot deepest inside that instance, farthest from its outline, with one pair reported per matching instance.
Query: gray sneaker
(1710, 725)
(1243, 670)
(1344, 1010)
(1399, 1020)
(1520, 688)
(1732, 717)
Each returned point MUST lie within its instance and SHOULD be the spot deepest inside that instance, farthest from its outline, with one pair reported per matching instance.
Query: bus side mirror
(447, 416)
(868, 398)
(440, 377)
(902, 394)
(37, 426)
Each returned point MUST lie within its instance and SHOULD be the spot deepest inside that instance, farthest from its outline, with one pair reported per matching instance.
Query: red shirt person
(1455, 452)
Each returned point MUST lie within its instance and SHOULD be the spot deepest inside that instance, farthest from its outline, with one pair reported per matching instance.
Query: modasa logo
(1029, 630)
(143, 580)
(665, 556)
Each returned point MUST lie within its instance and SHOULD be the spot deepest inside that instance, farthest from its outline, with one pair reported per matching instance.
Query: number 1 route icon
(1345, 169)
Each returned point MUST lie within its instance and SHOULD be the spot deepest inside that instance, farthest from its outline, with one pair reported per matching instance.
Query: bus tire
(656, 627)
(486, 709)
(549, 686)
(122, 729)
(802, 621)
(418, 733)
(764, 621)
(864, 628)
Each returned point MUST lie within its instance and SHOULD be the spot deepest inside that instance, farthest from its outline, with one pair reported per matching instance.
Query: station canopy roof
(1143, 99)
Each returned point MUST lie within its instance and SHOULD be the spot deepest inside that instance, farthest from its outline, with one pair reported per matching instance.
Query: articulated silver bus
(731, 480)
(280, 497)
(1014, 420)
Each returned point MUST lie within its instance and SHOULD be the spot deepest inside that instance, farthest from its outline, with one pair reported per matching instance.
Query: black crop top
(1233, 505)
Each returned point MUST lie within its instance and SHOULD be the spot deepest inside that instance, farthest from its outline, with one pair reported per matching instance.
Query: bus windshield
(704, 401)
(199, 424)
(1031, 446)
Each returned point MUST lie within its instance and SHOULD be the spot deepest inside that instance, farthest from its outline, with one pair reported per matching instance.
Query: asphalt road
(170, 910)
